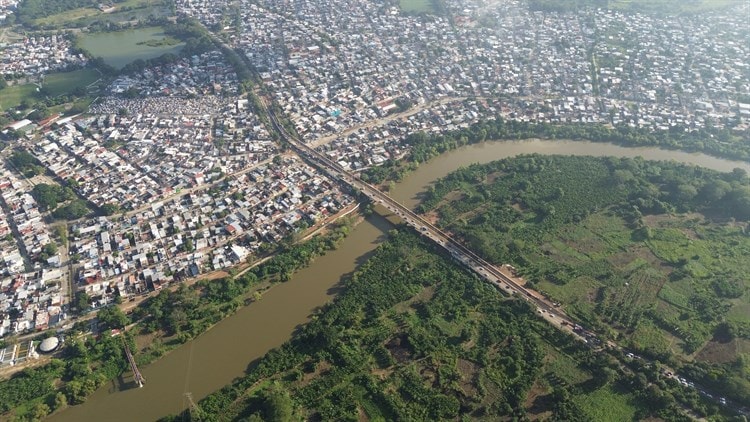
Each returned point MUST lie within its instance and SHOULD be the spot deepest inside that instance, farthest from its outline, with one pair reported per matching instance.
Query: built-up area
(38, 55)
(195, 183)
(191, 177)
(334, 65)
(7, 8)
(28, 299)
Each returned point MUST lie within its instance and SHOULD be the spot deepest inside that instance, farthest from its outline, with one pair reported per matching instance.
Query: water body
(122, 47)
(223, 353)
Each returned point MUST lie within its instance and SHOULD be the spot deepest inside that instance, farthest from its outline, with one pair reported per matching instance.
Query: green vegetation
(417, 6)
(642, 251)
(74, 210)
(712, 141)
(416, 337)
(30, 10)
(132, 45)
(84, 366)
(434, 7)
(178, 316)
(26, 163)
(57, 88)
(14, 95)
(29, 385)
(48, 196)
(82, 13)
(166, 41)
(66, 83)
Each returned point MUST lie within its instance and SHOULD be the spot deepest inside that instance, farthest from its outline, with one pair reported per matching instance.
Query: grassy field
(122, 47)
(90, 13)
(63, 83)
(417, 6)
(13, 95)
(608, 404)
(57, 83)
(669, 273)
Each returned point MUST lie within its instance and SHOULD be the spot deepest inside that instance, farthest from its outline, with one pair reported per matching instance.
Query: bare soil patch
(538, 402)
(469, 376)
(400, 348)
(718, 352)
(320, 369)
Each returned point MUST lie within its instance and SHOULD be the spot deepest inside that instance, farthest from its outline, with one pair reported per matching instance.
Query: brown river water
(224, 352)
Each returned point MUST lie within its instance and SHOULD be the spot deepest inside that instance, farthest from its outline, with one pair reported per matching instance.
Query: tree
(39, 411)
(60, 401)
(45, 196)
(278, 404)
(76, 209)
(113, 317)
(177, 319)
(82, 301)
(26, 163)
(714, 191)
(49, 250)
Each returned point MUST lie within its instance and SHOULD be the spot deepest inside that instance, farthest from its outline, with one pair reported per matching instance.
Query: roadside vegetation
(414, 336)
(651, 254)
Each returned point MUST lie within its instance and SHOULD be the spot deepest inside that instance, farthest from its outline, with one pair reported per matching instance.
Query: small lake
(122, 47)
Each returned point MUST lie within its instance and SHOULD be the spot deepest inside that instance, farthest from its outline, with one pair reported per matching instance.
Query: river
(215, 358)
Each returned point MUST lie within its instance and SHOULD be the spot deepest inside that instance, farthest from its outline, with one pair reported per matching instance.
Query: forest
(414, 336)
(650, 254)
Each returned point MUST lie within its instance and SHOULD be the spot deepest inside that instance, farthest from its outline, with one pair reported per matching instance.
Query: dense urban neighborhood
(173, 168)
(337, 70)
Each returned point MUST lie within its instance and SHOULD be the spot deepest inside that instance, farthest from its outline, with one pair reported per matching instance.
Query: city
(185, 169)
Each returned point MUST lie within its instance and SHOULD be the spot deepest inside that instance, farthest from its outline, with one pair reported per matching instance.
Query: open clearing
(418, 6)
(57, 83)
(123, 47)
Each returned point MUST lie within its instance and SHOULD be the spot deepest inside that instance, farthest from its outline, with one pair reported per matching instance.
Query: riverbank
(225, 350)
(254, 325)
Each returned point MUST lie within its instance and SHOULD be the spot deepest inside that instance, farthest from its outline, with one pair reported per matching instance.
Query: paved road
(384, 120)
(504, 282)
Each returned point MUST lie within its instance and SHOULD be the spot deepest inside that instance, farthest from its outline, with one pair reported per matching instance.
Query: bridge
(461, 253)
(133, 367)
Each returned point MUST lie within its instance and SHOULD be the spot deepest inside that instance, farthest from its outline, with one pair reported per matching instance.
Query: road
(461, 253)
(492, 274)
(384, 120)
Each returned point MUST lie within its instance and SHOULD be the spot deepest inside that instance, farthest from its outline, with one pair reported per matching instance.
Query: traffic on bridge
(461, 253)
